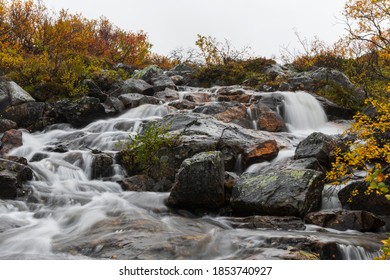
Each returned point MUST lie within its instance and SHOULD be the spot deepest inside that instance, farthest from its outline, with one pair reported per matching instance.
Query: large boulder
(94, 90)
(11, 140)
(162, 82)
(354, 197)
(201, 133)
(278, 193)
(266, 119)
(81, 112)
(319, 146)
(12, 94)
(345, 220)
(31, 115)
(199, 183)
(148, 73)
(12, 175)
(134, 86)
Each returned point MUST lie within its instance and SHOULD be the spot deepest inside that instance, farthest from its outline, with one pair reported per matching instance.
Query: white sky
(265, 25)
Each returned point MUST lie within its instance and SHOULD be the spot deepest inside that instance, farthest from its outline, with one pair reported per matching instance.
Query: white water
(68, 213)
(302, 111)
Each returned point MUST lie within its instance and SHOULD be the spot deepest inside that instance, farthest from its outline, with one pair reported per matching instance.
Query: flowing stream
(69, 215)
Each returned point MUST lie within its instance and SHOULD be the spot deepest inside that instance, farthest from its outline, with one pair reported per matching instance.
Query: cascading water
(302, 111)
(69, 214)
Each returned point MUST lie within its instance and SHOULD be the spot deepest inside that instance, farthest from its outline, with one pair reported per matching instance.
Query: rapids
(69, 215)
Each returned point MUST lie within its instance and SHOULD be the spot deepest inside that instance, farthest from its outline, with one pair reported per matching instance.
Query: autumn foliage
(38, 46)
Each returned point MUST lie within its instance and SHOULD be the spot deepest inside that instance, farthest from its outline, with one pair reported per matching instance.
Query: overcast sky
(265, 25)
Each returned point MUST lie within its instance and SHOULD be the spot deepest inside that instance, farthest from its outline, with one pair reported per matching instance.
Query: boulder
(12, 175)
(265, 151)
(345, 220)
(131, 100)
(11, 140)
(134, 86)
(162, 82)
(81, 112)
(334, 111)
(319, 146)
(148, 73)
(266, 119)
(101, 166)
(267, 222)
(199, 183)
(28, 115)
(354, 197)
(7, 125)
(278, 193)
(167, 95)
(197, 97)
(12, 94)
(94, 90)
(201, 133)
(233, 93)
(114, 105)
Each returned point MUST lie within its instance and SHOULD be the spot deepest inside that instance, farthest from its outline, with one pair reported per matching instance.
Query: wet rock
(167, 95)
(38, 157)
(12, 175)
(319, 78)
(319, 146)
(28, 115)
(11, 140)
(183, 105)
(142, 183)
(7, 125)
(266, 118)
(199, 183)
(178, 80)
(131, 100)
(354, 197)
(233, 93)
(268, 222)
(201, 133)
(94, 90)
(264, 151)
(114, 104)
(197, 97)
(234, 113)
(101, 166)
(345, 220)
(334, 111)
(134, 86)
(81, 112)
(278, 193)
(11, 94)
(162, 82)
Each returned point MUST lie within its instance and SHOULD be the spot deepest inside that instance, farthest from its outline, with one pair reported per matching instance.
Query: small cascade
(352, 252)
(302, 111)
(252, 117)
(238, 164)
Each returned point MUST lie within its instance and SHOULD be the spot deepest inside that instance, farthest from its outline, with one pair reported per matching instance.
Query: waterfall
(302, 111)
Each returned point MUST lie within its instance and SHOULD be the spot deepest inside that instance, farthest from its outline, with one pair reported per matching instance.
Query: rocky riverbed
(245, 181)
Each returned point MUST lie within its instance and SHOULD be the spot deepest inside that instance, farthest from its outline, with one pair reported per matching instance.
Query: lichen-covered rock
(199, 183)
(345, 220)
(278, 193)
